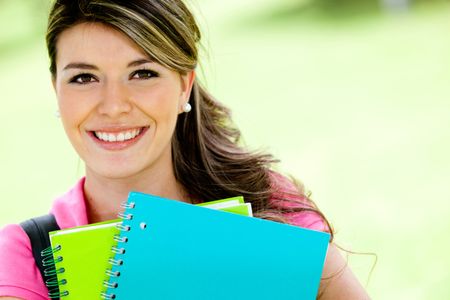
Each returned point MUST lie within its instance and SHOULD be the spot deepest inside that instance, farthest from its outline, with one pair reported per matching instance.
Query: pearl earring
(57, 114)
(187, 107)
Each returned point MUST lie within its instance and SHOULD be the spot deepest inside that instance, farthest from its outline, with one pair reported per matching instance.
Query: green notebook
(82, 254)
(234, 205)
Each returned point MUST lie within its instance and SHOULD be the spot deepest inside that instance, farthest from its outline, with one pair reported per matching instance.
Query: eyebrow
(85, 66)
(78, 65)
(139, 62)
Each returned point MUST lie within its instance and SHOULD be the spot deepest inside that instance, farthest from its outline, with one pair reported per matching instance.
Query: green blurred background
(352, 96)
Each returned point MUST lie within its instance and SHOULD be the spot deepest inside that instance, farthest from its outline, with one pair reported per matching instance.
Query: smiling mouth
(119, 136)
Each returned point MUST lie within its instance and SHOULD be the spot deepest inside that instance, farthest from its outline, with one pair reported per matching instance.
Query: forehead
(95, 42)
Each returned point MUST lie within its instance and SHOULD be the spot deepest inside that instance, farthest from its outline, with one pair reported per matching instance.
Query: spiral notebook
(79, 256)
(172, 250)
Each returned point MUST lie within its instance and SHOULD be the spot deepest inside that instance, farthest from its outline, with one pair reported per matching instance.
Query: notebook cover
(85, 251)
(181, 251)
(234, 205)
(241, 209)
(228, 201)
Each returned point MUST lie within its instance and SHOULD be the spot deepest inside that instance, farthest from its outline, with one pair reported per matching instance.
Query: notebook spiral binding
(49, 261)
(117, 250)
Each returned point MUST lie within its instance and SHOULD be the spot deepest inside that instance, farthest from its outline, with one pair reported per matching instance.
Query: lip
(117, 146)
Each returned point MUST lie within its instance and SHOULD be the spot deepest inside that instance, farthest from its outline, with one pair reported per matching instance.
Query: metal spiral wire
(49, 260)
(115, 262)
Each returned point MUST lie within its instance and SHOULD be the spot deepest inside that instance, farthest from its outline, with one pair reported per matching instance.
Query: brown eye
(83, 79)
(144, 74)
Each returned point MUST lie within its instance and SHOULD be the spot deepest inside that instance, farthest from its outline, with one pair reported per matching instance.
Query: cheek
(161, 104)
(73, 108)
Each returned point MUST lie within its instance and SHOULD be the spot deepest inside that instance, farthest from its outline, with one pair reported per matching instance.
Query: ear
(187, 81)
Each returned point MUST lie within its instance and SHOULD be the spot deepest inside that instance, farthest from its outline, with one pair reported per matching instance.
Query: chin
(115, 171)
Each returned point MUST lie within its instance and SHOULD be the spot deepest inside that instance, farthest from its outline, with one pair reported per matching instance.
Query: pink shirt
(19, 275)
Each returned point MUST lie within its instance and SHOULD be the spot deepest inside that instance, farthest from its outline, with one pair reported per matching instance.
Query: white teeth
(111, 137)
(119, 136)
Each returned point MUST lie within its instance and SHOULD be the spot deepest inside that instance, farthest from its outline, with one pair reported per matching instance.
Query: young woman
(130, 103)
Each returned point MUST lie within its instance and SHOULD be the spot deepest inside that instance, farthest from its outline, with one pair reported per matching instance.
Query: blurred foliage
(16, 34)
(343, 5)
(336, 10)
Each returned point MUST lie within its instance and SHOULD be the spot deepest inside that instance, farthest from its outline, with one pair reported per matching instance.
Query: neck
(104, 195)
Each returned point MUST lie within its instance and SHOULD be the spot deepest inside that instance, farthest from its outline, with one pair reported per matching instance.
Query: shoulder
(291, 197)
(12, 237)
(338, 280)
(19, 276)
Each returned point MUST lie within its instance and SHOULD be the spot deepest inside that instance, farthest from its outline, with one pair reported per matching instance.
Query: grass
(356, 108)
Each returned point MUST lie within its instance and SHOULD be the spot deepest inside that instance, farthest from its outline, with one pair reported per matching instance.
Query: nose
(115, 100)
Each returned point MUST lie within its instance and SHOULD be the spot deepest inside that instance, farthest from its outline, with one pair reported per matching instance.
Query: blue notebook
(173, 250)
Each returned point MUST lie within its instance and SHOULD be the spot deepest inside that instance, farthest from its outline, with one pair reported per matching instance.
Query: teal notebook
(174, 250)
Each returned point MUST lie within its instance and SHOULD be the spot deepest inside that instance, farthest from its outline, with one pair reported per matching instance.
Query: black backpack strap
(37, 230)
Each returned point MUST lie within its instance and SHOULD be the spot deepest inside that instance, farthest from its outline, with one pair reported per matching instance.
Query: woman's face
(118, 108)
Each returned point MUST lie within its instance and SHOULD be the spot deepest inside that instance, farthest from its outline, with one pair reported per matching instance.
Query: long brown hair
(208, 160)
